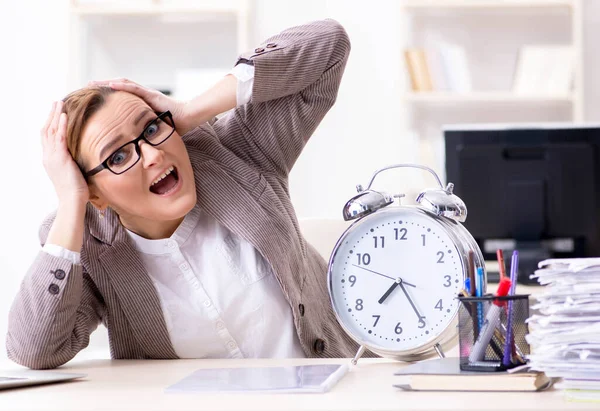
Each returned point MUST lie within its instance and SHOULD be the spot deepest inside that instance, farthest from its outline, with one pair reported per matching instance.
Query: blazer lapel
(137, 296)
(224, 199)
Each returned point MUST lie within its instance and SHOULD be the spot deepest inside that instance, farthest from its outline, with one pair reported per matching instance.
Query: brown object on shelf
(418, 70)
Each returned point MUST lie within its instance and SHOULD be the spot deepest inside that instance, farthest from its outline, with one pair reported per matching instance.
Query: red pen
(502, 267)
(503, 291)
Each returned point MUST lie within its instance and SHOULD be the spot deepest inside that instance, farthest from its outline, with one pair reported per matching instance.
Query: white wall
(33, 64)
(365, 130)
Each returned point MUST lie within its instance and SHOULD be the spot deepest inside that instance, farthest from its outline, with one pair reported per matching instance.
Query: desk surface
(132, 385)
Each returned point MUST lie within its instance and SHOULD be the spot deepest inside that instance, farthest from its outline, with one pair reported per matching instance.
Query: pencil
(472, 273)
(502, 267)
(509, 343)
(472, 292)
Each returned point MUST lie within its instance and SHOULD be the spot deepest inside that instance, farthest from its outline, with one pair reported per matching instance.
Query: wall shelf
(462, 7)
(116, 39)
(158, 8)
(488, 36)
(481, 4)
(483, 97)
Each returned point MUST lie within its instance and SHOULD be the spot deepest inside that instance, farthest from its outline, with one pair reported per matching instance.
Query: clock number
(376, 319)
(441, 255)
(448, 283)
(364, 259)
(352, 280)
(403, 231)
(423, 237)
(382, 241)
(398, 329)
(359, 305)
(439, 305)
(421, 322)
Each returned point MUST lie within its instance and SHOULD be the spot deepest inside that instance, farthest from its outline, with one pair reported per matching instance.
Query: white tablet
(314, 378)
(21, 378)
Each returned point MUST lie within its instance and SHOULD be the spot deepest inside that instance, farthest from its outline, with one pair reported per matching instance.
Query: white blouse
(219, 295)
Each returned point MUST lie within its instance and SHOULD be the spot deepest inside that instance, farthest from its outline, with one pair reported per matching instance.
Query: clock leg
(438, 350)
(359, 354)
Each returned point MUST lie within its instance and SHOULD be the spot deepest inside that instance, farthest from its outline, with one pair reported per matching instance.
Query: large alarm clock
(395, 273)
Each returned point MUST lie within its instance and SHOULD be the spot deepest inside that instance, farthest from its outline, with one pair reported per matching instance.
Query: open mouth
(165, 183)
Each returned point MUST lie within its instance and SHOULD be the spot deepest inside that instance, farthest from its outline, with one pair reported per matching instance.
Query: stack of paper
(565, 336)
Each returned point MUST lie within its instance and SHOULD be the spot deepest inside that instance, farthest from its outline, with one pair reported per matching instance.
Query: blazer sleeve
(54, 312)
(296, 80)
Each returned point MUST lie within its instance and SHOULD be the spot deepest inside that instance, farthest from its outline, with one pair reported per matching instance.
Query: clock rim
(448, 338)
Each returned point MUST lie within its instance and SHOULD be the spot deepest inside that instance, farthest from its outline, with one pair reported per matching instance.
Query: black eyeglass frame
(136, 143)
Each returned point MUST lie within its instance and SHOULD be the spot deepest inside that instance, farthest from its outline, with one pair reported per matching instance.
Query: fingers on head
(62, 125)
(56, 118)
(107, 83)
(118, 80)
(48, 120)
(122, 85)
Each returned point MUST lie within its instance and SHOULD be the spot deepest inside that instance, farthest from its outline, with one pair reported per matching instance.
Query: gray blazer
(241, 164)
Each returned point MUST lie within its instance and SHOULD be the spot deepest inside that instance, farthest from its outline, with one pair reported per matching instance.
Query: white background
(367, 128)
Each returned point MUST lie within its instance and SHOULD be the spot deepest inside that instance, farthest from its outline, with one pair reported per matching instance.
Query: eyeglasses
(126, 156)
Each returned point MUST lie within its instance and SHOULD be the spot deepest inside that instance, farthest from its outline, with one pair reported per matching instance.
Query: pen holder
(491, 332)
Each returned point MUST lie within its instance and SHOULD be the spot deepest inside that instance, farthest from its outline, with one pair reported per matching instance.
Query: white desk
(133, 385)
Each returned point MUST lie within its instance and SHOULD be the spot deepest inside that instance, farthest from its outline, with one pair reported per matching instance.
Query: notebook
(316, 378)
(445, 375)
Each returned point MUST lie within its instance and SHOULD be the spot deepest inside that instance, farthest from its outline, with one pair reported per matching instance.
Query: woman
(185, 247)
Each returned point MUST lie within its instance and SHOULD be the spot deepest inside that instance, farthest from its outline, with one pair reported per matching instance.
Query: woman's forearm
(67, 228)
(219, 98)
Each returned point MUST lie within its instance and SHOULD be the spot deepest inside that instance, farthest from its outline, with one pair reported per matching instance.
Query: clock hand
(389, 291)
(410, 301)
(383, 275)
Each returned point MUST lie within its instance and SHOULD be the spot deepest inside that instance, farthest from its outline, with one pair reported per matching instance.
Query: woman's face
(146, 204)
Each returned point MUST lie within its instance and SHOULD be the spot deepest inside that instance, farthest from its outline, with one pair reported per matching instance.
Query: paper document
(565, 335)
(293, 379)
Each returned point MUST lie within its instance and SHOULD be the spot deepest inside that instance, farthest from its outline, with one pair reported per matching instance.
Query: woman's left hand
(156, 100)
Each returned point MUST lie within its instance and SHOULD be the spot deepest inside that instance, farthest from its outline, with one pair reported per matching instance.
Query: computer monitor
(534, 188)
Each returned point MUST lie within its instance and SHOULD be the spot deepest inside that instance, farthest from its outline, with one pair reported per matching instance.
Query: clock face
(394, 279)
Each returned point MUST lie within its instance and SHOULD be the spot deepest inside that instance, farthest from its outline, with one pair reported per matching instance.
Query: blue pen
(508, 344)
(467, 284)
(479, 282)
(479, 293)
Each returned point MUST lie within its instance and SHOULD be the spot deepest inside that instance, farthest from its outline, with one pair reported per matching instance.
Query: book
(418, 69)
(445, 375)
(453, 58)
(546, 70)
(442, 68)
(439, 78)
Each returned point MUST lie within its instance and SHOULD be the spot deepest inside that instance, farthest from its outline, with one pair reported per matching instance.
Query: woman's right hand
(68, 181)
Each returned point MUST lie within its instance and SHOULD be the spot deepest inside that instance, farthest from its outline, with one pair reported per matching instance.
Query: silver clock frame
(449, 222)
